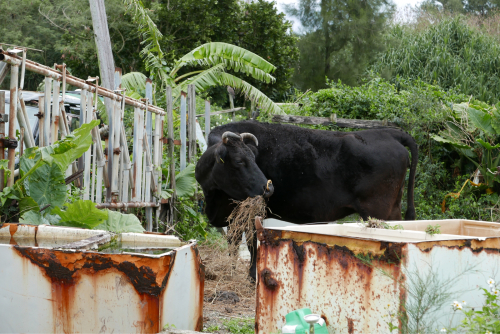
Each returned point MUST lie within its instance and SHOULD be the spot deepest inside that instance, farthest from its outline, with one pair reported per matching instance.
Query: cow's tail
(408, 141)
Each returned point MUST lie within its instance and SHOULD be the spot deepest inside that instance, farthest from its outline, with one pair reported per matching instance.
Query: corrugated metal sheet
(353, 276)
(74, 291)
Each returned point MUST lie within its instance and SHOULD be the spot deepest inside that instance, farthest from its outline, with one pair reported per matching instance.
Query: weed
(377, 223)
(432, 230)
(211, 329)
(240, 326)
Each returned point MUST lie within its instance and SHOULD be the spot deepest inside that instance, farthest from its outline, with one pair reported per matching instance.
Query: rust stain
(200, 285)
(63, 295)
(149, 276)
(350, 326)
(355, 245)
(12, 231)
(305, 265)
(489, 245)
(267, 279)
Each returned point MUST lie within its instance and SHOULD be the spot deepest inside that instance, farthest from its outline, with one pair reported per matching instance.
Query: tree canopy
(340, 39)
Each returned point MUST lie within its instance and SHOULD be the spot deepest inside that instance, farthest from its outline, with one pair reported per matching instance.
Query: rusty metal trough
(355, 277)
(66, 280)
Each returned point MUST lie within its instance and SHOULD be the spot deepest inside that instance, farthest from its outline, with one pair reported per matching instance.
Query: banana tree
(216, 59)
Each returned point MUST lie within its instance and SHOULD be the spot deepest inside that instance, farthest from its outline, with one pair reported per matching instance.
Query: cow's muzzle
(268, 189)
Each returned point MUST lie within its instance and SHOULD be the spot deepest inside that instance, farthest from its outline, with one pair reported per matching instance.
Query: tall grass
(452, 51)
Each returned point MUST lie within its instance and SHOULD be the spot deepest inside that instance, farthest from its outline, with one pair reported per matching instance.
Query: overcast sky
(399, 3)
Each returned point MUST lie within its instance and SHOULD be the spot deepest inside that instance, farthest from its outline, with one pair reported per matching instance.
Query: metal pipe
(46, 118)
(14, 75)
(74, 81)
(54, 129)
(122, 205)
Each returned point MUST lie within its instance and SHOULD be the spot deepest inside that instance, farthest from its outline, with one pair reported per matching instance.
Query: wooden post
(231, 106)
(2, 136)
(41, 121)
(170, 120)
(106, 70)
(149, 164)
(137, 154)
(85, 117)
(4, 70)
(46, 116)
(207, 120)
(183, 131)
(192, 123)
(55, 111)
(14, 74)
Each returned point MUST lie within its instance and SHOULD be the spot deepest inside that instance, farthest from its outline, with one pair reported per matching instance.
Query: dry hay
(242, 219)
(224, 270)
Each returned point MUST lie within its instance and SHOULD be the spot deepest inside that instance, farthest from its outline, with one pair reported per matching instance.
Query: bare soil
(229, 294)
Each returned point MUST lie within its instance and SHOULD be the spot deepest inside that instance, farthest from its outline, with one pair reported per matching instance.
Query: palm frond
(232, 56)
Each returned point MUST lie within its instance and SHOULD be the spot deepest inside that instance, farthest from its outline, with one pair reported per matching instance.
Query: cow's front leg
(252, 248)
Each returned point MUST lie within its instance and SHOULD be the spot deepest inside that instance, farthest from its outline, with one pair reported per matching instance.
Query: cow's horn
(228, 134)
(249, 136)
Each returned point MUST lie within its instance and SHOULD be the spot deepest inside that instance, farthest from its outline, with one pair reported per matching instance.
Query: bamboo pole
(74, 81)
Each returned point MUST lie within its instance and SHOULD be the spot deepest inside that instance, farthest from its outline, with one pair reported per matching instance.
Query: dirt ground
(229, 294)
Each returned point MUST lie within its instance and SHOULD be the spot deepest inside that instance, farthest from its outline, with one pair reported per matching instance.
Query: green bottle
(296, 324)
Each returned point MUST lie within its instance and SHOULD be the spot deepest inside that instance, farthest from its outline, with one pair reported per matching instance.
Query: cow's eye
(239, 161)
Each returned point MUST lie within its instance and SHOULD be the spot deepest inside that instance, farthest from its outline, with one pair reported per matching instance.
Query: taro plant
(473, 130)
(40, 195)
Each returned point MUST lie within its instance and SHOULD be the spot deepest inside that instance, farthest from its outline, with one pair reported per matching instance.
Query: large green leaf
(121, 223)
(202, 81)
(185, 182)
(47, 186)
(27, 204)
(135, 84)
(4, 167)
(70, 148)
(450, 141)
(232, 56)
(481, 120)
(8, 193)
(33, 218)
(487, 145)
(81, 214)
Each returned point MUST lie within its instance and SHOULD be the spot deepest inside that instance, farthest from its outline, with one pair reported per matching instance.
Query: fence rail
(127, 183)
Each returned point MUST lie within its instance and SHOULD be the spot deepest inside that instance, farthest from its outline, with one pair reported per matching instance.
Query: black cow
(317, 175)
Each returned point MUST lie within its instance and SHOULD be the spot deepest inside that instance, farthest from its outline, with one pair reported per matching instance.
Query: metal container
(65, 280)
(356, 277)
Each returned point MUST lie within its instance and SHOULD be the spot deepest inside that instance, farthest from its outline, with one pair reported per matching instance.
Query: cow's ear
(220, 154)
(252, 145)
